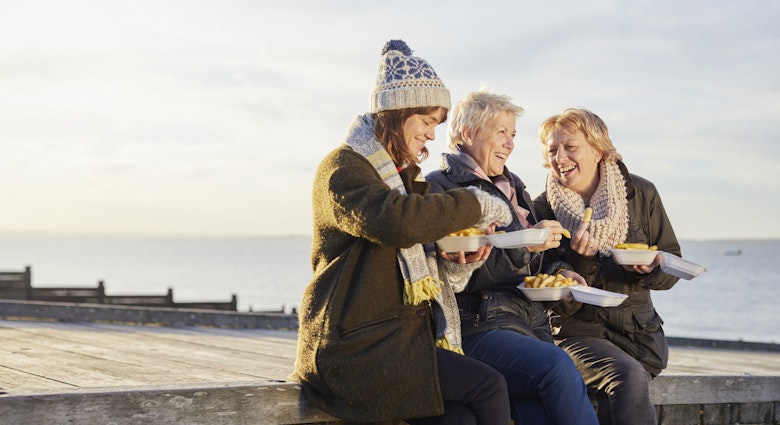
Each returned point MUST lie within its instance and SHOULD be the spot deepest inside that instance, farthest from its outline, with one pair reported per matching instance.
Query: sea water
(733, 299)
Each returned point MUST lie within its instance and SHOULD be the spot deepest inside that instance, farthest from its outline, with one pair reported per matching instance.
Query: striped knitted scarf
(609, 224)
(418, 263)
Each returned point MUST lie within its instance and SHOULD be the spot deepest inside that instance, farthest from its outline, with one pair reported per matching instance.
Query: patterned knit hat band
(406, 81)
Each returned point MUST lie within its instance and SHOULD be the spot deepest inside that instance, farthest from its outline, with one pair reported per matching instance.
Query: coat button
(421, 311)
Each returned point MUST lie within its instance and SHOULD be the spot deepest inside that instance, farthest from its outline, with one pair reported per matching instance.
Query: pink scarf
(501, 182)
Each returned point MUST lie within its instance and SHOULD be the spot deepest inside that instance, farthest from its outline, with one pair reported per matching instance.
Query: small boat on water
(737, 251)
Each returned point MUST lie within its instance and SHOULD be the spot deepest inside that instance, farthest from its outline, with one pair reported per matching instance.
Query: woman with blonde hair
(619, 349)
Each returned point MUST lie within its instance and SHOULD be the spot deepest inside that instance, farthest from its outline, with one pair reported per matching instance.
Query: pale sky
(210, 117)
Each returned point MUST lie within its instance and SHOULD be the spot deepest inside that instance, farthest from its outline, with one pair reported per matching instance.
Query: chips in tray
(469, 239)
(633, 256)
(545, 294)
(544, 287)
(469, 231)
(461, 243)
(544, 280)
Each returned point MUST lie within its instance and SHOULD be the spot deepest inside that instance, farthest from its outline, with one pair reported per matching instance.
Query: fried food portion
(469, 231)
(640, 246)
(544, 280)
(585, 219)
(588, 215)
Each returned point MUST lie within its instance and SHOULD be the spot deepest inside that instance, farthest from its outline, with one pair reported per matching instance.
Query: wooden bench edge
(285, 403)
(235, 404)
(714, 389)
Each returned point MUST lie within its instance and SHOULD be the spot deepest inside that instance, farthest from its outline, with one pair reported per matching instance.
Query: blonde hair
(589, 124)
(475, 111)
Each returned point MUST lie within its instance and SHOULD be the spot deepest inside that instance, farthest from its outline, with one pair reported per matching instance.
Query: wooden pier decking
(54, 372)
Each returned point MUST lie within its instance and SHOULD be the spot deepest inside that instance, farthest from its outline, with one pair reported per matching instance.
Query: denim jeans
(614, 372)
(543, 383)
(473, 393)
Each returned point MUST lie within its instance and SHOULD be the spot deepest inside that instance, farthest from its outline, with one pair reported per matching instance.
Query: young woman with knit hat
(619, 349)
(379, 336)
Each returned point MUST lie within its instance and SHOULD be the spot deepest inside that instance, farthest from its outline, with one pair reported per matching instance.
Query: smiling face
(419, 128)
(491, 145)
(573, 161)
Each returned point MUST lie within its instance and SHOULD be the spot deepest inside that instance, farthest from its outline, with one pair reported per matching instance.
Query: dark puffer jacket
(491, 299)
(634, 325)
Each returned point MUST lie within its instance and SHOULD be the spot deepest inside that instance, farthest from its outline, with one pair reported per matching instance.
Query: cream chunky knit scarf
(609, 224)
(418, 264)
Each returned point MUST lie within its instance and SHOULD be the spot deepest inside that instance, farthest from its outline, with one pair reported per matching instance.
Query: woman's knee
(560, 369)
(560, 361)
(628, 378)
(492, 379)
(634, 374)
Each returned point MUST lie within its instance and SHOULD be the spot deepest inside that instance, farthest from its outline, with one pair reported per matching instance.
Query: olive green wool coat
(362, 354)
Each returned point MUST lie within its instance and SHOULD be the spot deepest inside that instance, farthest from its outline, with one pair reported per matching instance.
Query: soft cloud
(211, 117)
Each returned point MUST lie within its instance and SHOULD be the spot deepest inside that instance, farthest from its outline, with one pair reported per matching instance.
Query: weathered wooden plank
(756, 413)
(12, 379)
(61, 368)
(680, 415)
(11, 278)
(719, 413)
(263, 342)
(16, 285)
(234, 405)
(145, 358)
(777, 412)
(718, 361)
(215, 352)
(700, 389)
(72, 294)
(14, 288)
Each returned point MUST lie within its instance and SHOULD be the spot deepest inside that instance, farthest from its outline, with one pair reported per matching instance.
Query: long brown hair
(388, 128)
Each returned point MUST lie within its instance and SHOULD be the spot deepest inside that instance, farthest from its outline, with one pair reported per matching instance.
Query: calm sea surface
(734, 299)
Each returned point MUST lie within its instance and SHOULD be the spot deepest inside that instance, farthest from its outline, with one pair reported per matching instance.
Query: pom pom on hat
(398, 45)
(406, 81)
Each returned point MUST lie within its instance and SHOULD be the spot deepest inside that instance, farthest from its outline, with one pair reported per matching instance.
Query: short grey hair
(475, 111)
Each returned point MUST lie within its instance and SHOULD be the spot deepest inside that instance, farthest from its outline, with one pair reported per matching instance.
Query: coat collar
(460, 174)
(630, 187)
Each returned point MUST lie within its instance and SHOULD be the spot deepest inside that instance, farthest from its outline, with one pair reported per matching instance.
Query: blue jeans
(543, 383)
(613, 372)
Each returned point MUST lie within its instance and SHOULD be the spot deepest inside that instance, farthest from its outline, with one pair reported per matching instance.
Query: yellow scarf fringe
(424, 289)
(445, 343)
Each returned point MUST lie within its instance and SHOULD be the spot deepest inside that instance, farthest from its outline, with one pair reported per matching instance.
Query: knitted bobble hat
(406, 81)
